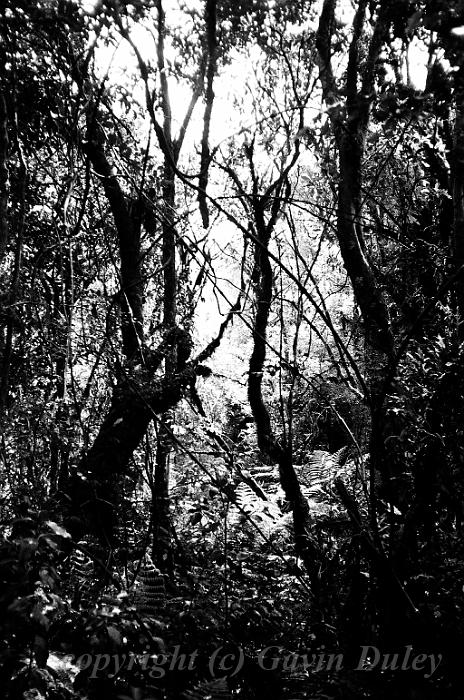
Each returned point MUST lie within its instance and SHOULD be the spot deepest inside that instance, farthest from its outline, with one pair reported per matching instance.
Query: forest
(231, 349)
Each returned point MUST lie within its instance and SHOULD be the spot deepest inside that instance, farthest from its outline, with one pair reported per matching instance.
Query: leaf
(45, 577)
(58, 530)
(115, 635)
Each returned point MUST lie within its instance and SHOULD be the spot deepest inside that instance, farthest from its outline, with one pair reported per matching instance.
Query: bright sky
(230, 87)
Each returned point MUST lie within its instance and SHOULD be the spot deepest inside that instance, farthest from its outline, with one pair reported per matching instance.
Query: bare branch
(214, 344)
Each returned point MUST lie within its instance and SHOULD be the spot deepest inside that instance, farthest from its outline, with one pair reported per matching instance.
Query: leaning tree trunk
(139, 396)
(132, 404)
(93, 489)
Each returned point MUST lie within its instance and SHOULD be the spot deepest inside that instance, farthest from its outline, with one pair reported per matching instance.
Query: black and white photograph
(231, 349)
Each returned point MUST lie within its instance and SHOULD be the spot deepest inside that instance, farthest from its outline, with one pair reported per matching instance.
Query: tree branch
(210, 73)
(330, 92)
(165, 97)
(353, 53)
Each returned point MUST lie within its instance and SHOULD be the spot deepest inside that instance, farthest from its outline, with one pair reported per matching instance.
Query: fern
(322, 467)
(217, 689)
(150, 594)
(265, 513)
(266, 473)
(82, 573)
(295, 685)
(244, 502)
(245, 498)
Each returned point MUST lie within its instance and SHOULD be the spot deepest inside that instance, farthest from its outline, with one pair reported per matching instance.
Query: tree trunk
(349, 110)
(94, 488)
(12, 297)
(211, 37)
(4, 176)
(97, 494)
(274, 450)
(366, 288)
(128, 230)
(161, 519)
(457, 183)
(161, 516)
(350, 124)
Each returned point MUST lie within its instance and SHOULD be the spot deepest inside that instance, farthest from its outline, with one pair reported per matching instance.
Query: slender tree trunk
(457, 183)
(350, 125)
(4, 176)
(161, 520)
(366, 288)
(162, 539)
(274, 450)
(211, 37)
(161, 517)
(10, 313)
(59, 451)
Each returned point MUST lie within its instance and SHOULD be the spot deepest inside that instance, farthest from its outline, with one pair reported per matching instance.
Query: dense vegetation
(232, 349)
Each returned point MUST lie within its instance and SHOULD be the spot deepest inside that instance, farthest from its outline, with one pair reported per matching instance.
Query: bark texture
(128, 230)
(134, 402)
(4, 176)
(349, 112)
(212, 45)
(457, 183)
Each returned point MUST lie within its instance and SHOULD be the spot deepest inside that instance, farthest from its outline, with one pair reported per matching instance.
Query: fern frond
(246, 498)
(150, 593)
(217, 689)
(321, 467)
(82, 573)
(295, 686)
